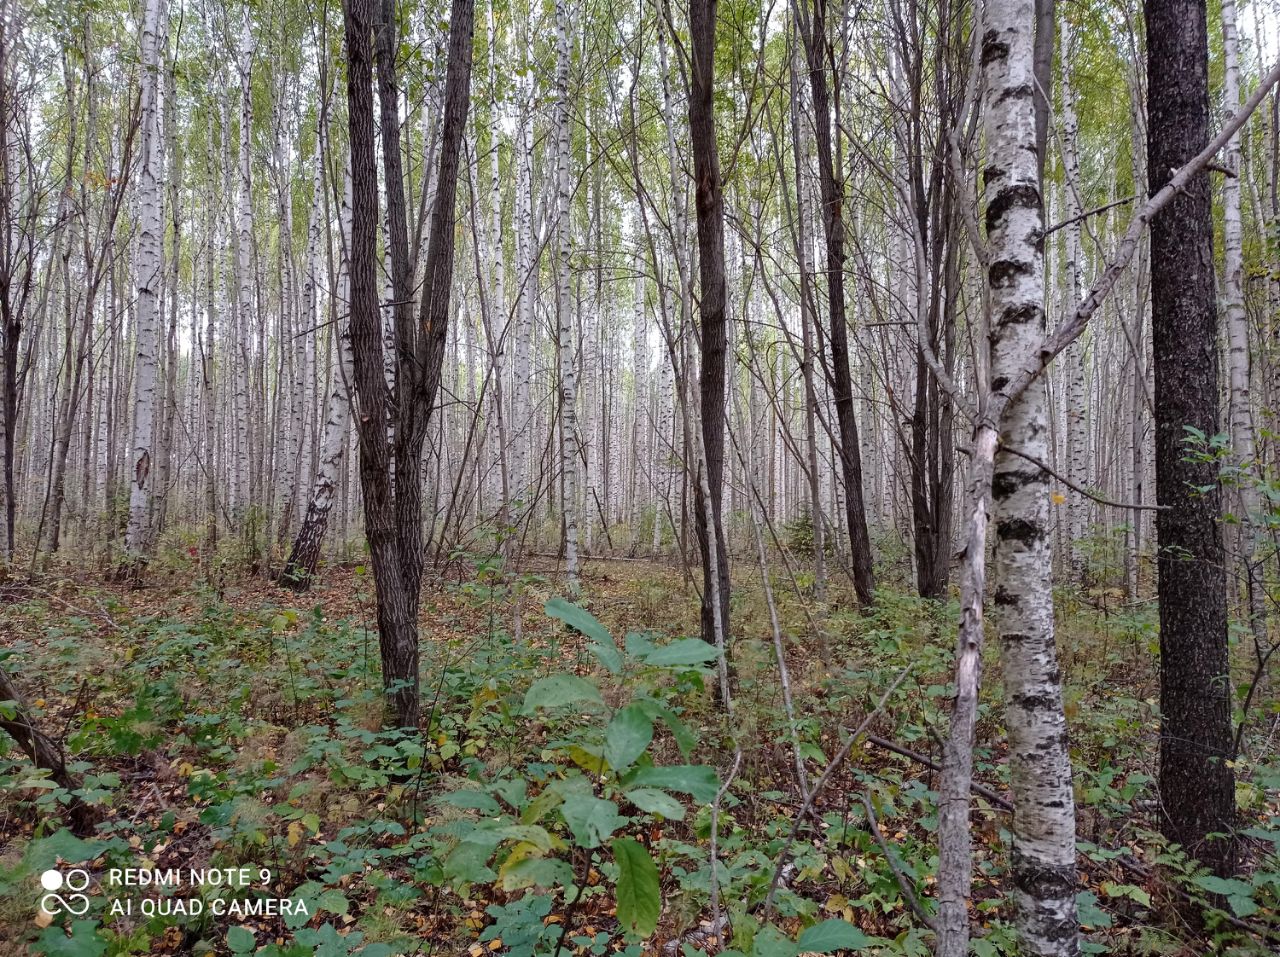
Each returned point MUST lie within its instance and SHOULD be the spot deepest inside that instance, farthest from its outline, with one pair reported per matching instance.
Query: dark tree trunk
(43, 752)
(711, 304)
(1196, 785)
(393, 515)
(1042, 68)
(813, 32)
(397, 623)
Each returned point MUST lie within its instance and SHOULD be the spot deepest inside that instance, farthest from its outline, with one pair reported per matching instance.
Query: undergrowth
(570, 778)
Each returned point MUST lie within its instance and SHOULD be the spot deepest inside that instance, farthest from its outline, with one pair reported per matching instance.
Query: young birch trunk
(241, 495)
(150, 276)
(564, 310)
(1044, 874)
(1238, 379)
(1076, 403)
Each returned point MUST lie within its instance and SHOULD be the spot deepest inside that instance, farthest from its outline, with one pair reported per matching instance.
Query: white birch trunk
(149, 273)
(564, 308)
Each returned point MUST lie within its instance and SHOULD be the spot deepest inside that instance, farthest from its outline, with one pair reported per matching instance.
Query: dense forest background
(686, 477)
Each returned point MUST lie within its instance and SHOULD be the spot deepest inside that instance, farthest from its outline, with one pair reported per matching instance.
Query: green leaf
(639, 895)
(83, 942)
(1242, 906)
(833, 935)
(530, 833)
(684, 738)
(696, 780)
(1227, 887)
(44, 853)
(591, 819)
(471, 798)
(682, 653)
(582, 621)
(537, 872)
(240, 940)
(1090, 914)
(334, 901)
(657, 802)
(628, 734)
(555, 691)
(1131, 891)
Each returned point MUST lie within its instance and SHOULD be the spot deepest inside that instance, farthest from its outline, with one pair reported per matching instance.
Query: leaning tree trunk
(305, 554)
(1196, 783)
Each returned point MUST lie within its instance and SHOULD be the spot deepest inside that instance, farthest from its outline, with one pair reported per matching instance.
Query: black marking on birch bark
(999, 382)
(1029, 312)
(993, 48)
(1032, 702)
(1015, 196)
(1005, 598)
(1015, 92)
(1020, 530)
(1043, 881)
(1004, 484)
(1004, 272)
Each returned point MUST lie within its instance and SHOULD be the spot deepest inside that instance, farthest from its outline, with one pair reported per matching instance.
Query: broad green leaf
(682, 653)
(468, 863)
(832, 935)
(1242, 906)
(628, 734)
(537, 872)
(532, 833)
(771, 942)
(61, 844)
(639, 645)
(582, 621)
(1131, 891)
(639, 894)
(471, 798)
(656, 802)
(555, 691)
(1227, 887)
(592, 820)
(684, 738)
(240, 940)
(696, 780)
(334, 901)
(83, 942)
(1090, 914)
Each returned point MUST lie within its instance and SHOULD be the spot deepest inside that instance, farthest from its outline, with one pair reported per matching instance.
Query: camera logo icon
(73, 881)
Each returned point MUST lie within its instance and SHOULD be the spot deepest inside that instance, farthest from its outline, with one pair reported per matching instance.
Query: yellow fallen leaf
(1058, 498)
(295, 833)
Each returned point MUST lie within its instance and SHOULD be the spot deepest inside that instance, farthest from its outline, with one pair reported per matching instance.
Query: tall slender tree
(811, 20)
(1197, 786)
(709, 203)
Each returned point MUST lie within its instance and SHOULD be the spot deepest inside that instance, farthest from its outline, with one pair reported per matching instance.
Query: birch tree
(150, 275)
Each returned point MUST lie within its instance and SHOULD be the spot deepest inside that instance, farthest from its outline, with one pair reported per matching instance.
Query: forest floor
(235, 724)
